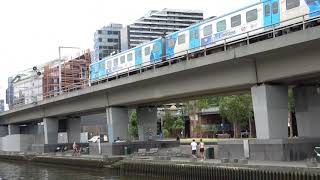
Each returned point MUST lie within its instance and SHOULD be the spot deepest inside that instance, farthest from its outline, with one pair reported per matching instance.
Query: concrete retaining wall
(17, 142)
(270, 150)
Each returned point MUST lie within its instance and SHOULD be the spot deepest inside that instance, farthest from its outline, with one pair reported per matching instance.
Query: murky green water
(27, 171)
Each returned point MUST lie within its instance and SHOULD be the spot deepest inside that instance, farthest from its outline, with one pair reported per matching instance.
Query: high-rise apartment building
(107, 40)
(157, 23)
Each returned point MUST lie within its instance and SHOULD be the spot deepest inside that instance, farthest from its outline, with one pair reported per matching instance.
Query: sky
(32, 30)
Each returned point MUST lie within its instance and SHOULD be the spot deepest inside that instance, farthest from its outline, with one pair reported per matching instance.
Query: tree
(178, 125)
(236, 109)
(198, 129)
(133, 129)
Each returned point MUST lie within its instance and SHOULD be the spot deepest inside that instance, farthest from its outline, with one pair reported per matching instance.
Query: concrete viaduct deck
(287, 59)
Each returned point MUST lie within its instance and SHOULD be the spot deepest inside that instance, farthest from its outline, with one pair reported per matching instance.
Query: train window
(122, 59)
(147, 51)
(252, 15)
(191, 35)
(156, 47)
(171, 43)
(182, 39)
(290, 4)
(221, 26)
(109, 64)
(275, 8)
(267, 10)
(115, 62)
(236, 21)
(207, 30)
(129, 57)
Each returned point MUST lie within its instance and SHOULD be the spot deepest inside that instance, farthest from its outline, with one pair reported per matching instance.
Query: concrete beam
(307, 103)
(118, 122)
(50, 130)
(270, 105)
(147, 122)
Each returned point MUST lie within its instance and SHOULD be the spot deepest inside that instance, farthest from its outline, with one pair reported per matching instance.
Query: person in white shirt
(194, 148)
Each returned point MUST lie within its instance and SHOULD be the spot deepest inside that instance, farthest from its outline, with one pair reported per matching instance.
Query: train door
(271, 13)
(138, 56)
(194, 38)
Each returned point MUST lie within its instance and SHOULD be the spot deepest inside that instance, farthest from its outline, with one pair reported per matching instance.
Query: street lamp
(60, 61)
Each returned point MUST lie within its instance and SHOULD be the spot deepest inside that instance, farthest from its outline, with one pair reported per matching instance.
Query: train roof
(215, 18)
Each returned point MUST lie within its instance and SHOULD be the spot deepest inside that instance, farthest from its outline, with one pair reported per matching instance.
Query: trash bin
(210, 153)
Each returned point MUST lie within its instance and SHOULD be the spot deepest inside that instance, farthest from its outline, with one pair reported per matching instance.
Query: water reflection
(27, 171)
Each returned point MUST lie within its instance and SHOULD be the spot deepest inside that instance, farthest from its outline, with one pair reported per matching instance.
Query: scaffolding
(74, 75)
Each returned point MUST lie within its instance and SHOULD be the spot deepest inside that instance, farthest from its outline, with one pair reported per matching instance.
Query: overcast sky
(32, 30)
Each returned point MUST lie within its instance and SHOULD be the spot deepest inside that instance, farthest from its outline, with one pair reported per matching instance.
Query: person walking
(201, 149)
(194, 148)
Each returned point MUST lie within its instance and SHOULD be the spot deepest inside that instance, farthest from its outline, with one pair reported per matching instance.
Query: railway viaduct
(266, 68)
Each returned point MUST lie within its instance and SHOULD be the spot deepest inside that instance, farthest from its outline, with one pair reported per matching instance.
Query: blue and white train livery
(131, 59)
(255, 19)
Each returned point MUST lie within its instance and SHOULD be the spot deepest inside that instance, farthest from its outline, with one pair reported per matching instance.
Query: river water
(27, 171)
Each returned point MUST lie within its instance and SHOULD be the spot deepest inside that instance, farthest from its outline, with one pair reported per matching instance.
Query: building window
(252, 15)
(267, 10)
(109, 32)
(275, 8)
(110, 40)
(147, 51)
(99, 32)
(115, 62)
(236, 21)
(221, 26)
(115, 40)
(207, 30)
(100, 39)
(129, 57)
(181, 39)
(115, 32)
(122, 59)
(292, 4)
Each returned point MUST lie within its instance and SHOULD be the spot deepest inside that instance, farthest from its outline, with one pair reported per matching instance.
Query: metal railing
(167, 60)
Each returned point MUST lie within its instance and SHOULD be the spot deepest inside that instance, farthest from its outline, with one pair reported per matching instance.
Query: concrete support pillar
(118, 121)
(307, 104)
(147, 122)
(3, 131)
(13, 129)
(73, 130)
(50, 130)
(270, 105)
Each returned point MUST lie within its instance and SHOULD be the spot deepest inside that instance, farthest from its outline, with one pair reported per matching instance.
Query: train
(249, 21)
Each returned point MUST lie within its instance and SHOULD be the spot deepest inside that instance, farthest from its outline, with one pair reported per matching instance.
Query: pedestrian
(74, 148)
(201, 149)
(194, 148)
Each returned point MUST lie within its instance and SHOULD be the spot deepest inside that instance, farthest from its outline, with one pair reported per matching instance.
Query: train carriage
(129, 60)
(233, 27)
